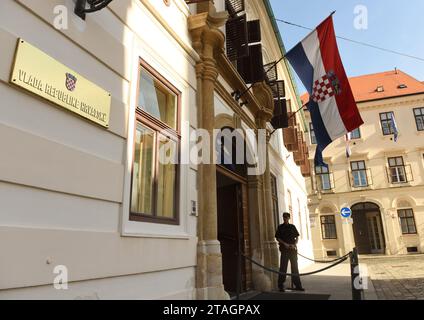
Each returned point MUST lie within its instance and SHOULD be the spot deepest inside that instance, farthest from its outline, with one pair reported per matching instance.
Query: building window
(407, 221)
(359, 174)
(397, 170)
(289, 202)
(355, 134)
(274, 192)
(154, 185)
(300, 219)
(306, 223)
(419, 118)
(387, 123)
(312, 134)
(328, 227)
(323, 177)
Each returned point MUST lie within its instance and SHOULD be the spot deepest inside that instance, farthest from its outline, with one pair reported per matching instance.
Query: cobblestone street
(397, 278)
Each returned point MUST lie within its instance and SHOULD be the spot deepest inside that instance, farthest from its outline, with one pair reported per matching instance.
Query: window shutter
(234, 7)
(254, 31)
(280, 119)
(271, 73)
(236, 38)
(278, 88)
(251, 68)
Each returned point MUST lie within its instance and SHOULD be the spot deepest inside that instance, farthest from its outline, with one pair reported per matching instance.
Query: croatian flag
(333, 109)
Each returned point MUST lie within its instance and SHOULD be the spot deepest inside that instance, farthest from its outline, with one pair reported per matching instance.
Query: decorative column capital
(263, 94)
(208, 39)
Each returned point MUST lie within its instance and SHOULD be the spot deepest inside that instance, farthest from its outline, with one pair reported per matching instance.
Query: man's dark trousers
(286, 255)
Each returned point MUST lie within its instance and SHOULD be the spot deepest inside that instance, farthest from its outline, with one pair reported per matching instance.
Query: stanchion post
(238, 274)
(354, 274)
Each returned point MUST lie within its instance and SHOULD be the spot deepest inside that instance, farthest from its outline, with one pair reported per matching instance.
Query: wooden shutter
(280, 120)
(254, 31)
(251, 68)
(271, 74)
(278, 89)
(236, 38)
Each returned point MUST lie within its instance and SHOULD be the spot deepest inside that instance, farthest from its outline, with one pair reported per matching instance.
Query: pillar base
(209, 271)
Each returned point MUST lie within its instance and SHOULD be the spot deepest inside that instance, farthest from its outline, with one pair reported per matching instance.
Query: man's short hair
(286, 214)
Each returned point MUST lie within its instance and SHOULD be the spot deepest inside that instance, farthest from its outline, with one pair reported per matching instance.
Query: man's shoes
(281, 290)
(299, 289)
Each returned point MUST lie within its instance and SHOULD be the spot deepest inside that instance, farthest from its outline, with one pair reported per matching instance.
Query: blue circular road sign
(346, 212)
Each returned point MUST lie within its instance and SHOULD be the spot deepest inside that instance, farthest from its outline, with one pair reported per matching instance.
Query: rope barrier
(324, 261)
(295, 274)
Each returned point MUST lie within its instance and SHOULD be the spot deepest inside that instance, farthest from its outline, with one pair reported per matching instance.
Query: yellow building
(383, 179)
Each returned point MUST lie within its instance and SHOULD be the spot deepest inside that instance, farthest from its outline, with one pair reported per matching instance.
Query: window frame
(274, 195)
(312, 135)
(157, 126)
(389, 121)
(407, 218)
(397, 166)
(421, 115)
(323, 224)
(359, 171)
(324, 172)
(354, 137)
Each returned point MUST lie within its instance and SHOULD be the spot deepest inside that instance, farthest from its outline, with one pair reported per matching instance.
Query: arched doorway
(368, 228)
(232, 210)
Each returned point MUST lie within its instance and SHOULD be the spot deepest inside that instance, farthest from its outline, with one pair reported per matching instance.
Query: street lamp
(94, 5)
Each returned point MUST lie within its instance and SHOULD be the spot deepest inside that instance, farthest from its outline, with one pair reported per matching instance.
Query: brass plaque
(44, 76)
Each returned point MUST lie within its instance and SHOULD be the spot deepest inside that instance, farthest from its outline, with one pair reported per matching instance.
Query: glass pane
(399, 161)
(401, 174)
(361, 165)
(401, 213)
(354, 165)
(383, 116)
(142, 178)
(325, 182)
(363, 175)
(417, 112)
(386, 128)
(420, 123)
(167, 174)
(356, 180)
(392, 162)
(355, 134)
(404, 226)
(157, 100)
(411, 225)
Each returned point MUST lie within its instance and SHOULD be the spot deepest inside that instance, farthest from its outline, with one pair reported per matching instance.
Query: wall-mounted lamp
(81, 8)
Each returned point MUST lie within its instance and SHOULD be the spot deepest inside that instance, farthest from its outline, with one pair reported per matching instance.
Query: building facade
(94, 205)
(383, 179)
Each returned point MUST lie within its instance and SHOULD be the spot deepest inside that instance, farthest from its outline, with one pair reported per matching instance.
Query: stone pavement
(335, 281)
(396, 277)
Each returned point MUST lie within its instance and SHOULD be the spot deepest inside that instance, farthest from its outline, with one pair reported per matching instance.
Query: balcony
(360, 179)
(398, 175)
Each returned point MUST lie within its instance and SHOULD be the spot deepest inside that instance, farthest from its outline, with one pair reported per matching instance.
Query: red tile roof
(365, 87)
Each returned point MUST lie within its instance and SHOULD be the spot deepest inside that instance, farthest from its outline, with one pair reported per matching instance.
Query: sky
(392, 24)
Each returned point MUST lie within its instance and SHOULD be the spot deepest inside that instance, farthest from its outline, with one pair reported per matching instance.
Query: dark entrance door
(368, 228)
(230, 229)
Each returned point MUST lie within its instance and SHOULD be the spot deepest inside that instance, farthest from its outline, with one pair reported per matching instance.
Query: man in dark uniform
(287, 237)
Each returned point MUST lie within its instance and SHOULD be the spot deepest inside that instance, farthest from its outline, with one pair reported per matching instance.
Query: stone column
(207, 41)
(271, 255)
